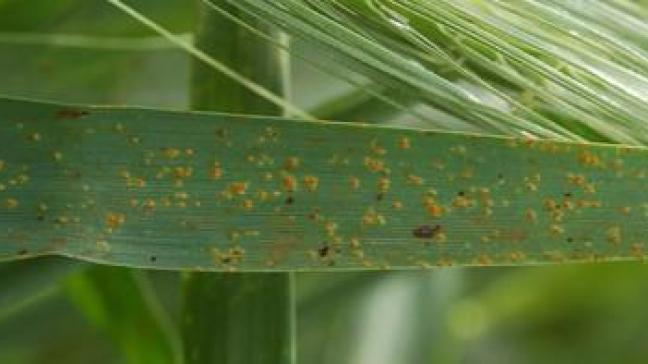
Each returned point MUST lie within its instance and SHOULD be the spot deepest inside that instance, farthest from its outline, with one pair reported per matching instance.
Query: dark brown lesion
(70, 113)
(314, 215)
(221, 133)
(427, 231)
(326, 253)
(324, 250)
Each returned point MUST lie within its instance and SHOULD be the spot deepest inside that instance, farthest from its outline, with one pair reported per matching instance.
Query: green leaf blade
(198, 191)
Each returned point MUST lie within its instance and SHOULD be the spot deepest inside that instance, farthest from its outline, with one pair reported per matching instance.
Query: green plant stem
(237, 317)
(242, 51)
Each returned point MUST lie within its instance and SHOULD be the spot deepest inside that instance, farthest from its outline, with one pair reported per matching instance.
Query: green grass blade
(121, 302)
(27, 336)
(40, 53)
(106, 76)
(247, 317)
(28, 282)
(91, 17)
(176, 190)
(356, 106)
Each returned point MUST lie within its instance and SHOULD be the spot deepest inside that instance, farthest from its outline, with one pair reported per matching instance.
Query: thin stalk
(238, 317)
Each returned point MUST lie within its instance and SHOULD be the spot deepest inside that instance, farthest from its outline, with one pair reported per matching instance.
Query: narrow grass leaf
(28, 282)
(176, 190)
(120, 301)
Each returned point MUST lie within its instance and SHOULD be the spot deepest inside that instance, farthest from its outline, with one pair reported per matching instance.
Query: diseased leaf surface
(219, 192)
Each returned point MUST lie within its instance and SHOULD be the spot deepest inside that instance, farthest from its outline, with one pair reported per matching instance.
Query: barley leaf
(175, 190)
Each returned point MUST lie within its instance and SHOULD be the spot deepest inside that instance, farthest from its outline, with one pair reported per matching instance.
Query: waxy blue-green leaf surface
(220, 192)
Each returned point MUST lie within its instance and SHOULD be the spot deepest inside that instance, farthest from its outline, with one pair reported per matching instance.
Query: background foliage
(89, 52)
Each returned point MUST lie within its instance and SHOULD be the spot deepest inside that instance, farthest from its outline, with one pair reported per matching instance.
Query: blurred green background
(556, 314)
(85, 51)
